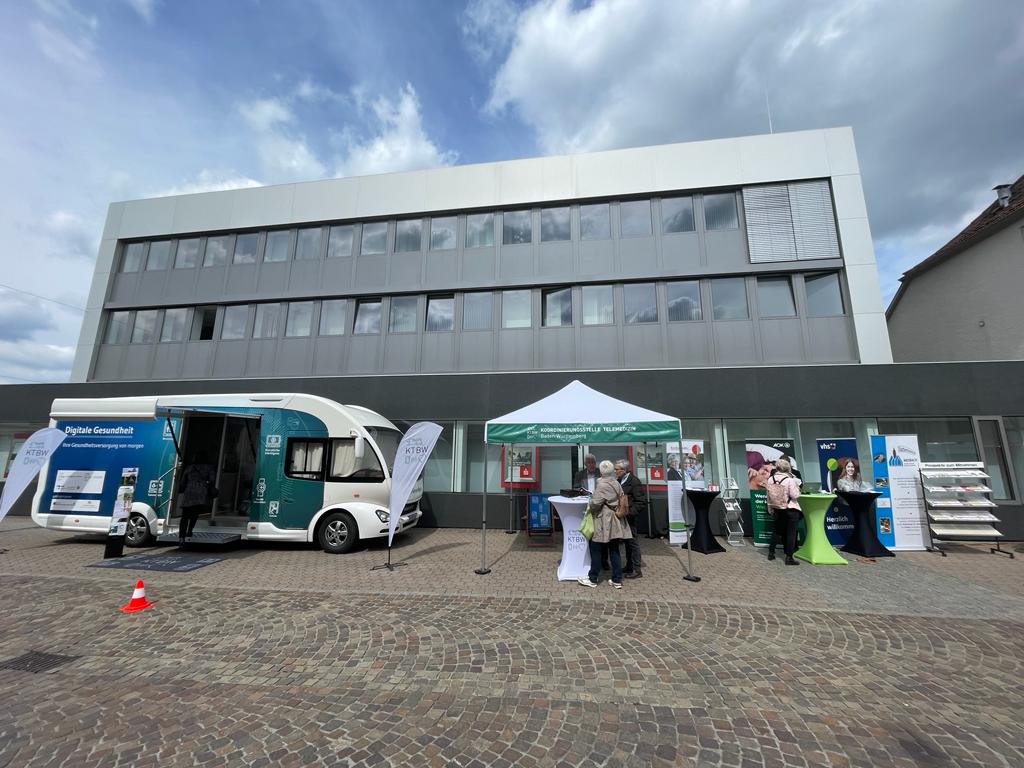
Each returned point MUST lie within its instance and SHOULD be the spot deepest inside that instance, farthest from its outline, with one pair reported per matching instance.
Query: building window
(277, 246)
(118, 329)
(159, 255)
(131, 258)
(554, 224)
(300, 319)
(684, 300)
(517, 227)
(339, 243)
(440, 313)
(332, 317)
(403, 314)
(597, 305)
(635, 218)
(1014, 426)
(216, 251)
(775, 297)
(408, 235)
(268, 321)
(992, 447)
(367, 316)
(476, 311)
(187, 256)
(375, 238)
(245, 248)
(641, 303)
(938, 439)
(516, 311)
(203, 321)
(676, 214)
(307, 245)
(556, 307)
(144, 331)
(824, 296)
(236, 322)
(305, 459)
(729, 298)
(595, 222)
(442, 233)
(720, 211)
(175, 322)
(480, 230)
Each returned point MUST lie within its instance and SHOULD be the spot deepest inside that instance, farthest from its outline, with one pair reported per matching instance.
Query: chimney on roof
(1002, 194)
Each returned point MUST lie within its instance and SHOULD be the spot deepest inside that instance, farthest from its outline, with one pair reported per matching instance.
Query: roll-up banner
(896, 462)
(684, 468)
(761, 458)
(32, 455)
(837, 458)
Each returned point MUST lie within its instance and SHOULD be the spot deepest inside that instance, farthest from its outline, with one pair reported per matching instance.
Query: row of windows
(640, 304)
(439, 234)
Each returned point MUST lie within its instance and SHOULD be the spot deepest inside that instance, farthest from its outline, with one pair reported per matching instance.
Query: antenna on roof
(768, 105)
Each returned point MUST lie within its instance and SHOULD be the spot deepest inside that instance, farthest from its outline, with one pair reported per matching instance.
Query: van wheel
(338, 533)
(138, 534)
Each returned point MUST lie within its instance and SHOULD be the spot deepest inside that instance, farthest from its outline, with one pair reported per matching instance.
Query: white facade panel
(696, 166)
(319, 201)
(202, 212)
(842, 152)
(849, 197)
(521, 182)
(148, 217)
(262, 206)
(872, 338)
(855, 235)
(112, 226)
(783, 156)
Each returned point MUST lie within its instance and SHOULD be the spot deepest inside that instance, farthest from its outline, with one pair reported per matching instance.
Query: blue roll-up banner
(540, 512)
(835, 454)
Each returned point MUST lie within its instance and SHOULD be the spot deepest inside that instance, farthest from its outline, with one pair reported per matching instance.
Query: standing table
(702, 540)
(817, 550)
(575, 547)
(863, 539)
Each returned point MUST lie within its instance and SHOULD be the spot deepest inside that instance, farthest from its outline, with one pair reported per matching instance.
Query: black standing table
(863, 540)
(701, 538)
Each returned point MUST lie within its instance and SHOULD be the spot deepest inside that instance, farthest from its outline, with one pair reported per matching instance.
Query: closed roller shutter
(814, 226)
(769, 223)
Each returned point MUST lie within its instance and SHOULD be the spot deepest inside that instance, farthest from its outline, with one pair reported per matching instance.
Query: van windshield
(387, 440)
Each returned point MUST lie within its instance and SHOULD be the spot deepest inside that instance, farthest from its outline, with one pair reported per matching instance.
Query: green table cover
(816, 549)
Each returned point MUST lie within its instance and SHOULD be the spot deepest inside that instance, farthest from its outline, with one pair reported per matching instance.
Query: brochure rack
(957, 499)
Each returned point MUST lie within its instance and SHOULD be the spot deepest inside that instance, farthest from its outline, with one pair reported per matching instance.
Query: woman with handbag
(783, 494)
(609, 507)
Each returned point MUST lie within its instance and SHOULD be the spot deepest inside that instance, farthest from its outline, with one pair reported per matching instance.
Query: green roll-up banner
(761, 458)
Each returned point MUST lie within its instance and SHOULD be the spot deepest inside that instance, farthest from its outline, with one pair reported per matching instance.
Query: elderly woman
(609, 529)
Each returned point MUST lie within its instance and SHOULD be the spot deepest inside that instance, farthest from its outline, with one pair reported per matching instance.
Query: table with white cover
(575, 547)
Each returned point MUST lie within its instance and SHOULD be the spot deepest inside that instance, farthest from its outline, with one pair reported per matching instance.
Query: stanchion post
(647, 489)
(690, 576)
(483, 570)
(511, 496)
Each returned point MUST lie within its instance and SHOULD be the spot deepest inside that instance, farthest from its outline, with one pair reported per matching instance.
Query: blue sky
(118, 99)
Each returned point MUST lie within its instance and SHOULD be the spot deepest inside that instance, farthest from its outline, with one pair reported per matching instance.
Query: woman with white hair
(783, 491)
(609, 528)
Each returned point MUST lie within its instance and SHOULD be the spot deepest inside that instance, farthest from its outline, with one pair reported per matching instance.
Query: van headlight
(384, 516)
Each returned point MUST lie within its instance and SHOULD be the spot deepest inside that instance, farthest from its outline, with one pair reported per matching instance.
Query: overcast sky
(120, 99)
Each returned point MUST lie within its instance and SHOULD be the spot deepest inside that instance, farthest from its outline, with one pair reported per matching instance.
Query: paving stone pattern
(286, 656)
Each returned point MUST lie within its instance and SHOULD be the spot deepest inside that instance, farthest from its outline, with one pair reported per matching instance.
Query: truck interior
(229, 443)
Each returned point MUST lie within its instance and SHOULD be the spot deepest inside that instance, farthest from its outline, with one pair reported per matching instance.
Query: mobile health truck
(289, 467)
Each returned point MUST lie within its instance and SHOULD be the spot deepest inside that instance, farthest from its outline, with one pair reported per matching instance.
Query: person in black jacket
(634, 491)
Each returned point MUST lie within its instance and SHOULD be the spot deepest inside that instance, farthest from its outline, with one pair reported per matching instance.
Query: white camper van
(289, 467)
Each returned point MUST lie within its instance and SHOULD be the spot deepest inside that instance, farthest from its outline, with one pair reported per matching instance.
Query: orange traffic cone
(138, 601)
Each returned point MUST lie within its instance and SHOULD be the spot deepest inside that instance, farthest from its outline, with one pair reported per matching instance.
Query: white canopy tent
(575, 414)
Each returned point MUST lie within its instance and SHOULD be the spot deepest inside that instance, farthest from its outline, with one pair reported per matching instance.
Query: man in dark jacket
(634, 491)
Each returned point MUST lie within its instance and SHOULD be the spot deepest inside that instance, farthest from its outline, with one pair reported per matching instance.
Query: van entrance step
(203, 537)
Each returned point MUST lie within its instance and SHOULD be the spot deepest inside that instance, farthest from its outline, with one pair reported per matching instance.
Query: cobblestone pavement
(285, 656)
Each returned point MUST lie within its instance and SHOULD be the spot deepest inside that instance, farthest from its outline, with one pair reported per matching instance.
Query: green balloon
(832, 464)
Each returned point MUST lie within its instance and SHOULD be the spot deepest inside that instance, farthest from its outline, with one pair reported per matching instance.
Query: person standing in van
(783, 491)
(198, 492)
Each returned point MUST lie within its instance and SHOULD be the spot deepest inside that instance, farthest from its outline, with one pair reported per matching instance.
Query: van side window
(346, 468)
(305, 459)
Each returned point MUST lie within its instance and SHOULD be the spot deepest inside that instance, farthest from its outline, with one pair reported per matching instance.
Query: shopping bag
(587, 526)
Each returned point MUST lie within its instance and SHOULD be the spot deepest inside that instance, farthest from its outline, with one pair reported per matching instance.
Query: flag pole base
(482, 571)
(389, 566)
(691, 578)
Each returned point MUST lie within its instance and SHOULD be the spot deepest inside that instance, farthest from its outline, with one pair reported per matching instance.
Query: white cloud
(265, 114)
(209, 181)
(69, 235)
(488, 27)
(22, 316)
(28, 361)
(906, 76)
(145, 8)
(400, 142)
(61, 48)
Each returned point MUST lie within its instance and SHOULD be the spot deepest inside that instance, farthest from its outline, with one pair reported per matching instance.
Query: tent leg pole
(511, 497)
(483, 570)
(647, 488)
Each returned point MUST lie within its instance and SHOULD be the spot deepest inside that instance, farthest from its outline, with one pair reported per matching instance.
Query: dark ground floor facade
(960, 412)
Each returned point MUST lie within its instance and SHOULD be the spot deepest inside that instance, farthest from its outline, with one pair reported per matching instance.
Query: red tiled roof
(986, 223)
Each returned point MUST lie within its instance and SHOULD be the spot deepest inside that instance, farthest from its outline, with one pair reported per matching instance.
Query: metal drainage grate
(34, 661)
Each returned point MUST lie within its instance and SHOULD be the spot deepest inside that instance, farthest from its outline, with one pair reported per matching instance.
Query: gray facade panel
(405, 272)
(337, 274)
(273, 279)
(782, 341)
(181, 285)
(230, 360)
(735, 342)
(305, 277)
(599, 347)
(138, 361)
(726, 250)
(643, 345)
(440, 270)
(516, 264)
(555, 261)
(295, 356)
(638, 256)
(831, 340)
(557, 348)
(329, 355)
(477, 350)
(681, 253)
(400, 352)
(371, 272)
(597, 257)
(242, 280)
(198, 359)
(152, 288)
(125, 288)
(438, 352)
(478, 266)
(108, 362)
(211, 284)
(688, 344)
(515, 349)
(167, 361)
(364, 354)
(261, 358)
